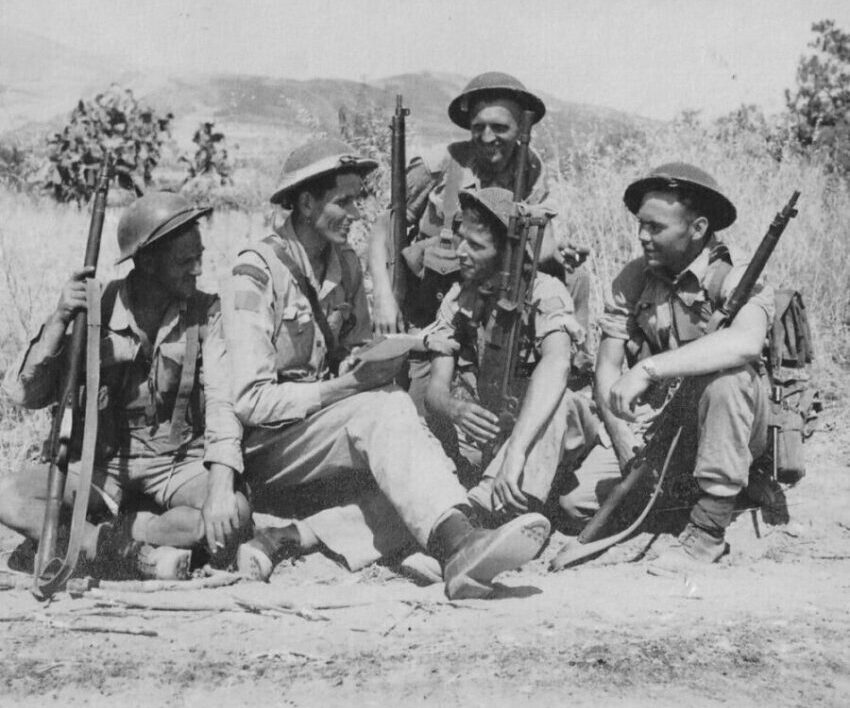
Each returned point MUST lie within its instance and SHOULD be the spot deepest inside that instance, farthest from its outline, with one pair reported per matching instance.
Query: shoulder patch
(258, 275)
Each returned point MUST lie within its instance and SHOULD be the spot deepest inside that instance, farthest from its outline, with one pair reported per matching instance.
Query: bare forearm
(545, 390)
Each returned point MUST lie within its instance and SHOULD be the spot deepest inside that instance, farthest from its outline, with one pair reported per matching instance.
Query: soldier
(163, 435)
(656, 321)
(490, 107)
(294, 309)
(552, 420)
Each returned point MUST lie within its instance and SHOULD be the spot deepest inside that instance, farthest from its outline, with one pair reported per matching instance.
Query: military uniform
(570, 433)
(141, 382)
(279, 358)
(653, 313)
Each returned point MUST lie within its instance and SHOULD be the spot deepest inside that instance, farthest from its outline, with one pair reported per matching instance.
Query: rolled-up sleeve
(554, 310)
(617, 320)
(223, 431)
(248, 320)
(33, 379)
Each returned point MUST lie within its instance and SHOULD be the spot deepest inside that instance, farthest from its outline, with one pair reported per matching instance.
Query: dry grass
(41, 242)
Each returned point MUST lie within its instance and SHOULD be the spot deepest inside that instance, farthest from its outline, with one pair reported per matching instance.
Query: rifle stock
(50, 572)
(650, 460)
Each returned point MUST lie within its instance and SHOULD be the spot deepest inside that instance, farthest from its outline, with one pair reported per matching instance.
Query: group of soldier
(265, 400)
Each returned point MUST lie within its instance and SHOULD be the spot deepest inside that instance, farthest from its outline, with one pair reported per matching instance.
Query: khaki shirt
(668, 312)
(278, 353)
(140, 380)
(553, 312)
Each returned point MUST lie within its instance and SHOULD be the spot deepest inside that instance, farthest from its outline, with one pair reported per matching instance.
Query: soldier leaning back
(165, 437)
(290, 313)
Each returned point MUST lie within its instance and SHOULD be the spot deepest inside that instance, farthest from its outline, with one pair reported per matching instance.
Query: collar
(123, 318)
(333, 272)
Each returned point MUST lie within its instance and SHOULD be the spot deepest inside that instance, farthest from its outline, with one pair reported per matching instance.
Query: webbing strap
(83, 490)
(451, 203)
(306, 287)
(187, 379)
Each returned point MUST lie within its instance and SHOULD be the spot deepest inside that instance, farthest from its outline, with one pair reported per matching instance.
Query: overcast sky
(652, 57)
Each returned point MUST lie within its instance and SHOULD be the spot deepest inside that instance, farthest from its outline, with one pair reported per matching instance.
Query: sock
(713, 514)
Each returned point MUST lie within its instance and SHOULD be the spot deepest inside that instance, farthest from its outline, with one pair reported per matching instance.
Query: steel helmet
(151, 217)
(316, 159)
(493, 84)
(680, 177)
(496, 201)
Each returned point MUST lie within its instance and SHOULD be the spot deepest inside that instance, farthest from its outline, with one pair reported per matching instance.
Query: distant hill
(263, 117)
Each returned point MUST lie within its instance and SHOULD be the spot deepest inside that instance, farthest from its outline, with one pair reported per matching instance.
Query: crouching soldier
(554, 428)
(168, 437)
(656, 322)
(294, 308)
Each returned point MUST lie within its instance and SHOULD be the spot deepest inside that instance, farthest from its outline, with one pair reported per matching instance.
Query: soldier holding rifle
(167, 432)
(656, 321)
(489, 107)
(552, 423)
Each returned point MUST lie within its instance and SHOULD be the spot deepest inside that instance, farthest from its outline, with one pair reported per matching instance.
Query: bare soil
(767, 626)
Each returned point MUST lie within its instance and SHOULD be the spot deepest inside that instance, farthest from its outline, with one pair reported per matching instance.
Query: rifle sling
(187, 380)
(305, 286)
(83, 490)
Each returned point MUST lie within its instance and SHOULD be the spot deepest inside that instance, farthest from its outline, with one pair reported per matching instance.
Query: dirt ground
(769, 626)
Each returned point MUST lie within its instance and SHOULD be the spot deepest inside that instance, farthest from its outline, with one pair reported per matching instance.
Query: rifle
(498, 385)
(398, 200)
(50, 571)
(663, 434)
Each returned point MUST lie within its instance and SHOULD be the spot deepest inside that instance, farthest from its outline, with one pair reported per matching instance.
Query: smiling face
(333, 213)
(478, 251)
(670, 234)
(494, 131)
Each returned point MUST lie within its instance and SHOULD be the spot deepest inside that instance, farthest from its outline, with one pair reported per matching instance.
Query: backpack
(794, 402)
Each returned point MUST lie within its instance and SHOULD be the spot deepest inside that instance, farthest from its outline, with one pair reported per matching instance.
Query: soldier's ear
(700, 227)
(306, 203)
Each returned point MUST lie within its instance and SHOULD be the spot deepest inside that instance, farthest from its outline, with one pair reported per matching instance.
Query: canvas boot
(256, 559)
(472, 557)
(702, 541)
(422, 569)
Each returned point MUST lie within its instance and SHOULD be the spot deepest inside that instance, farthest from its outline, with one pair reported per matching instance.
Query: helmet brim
(175, 223)
(720, 212)
(460, 107)
(327, 165)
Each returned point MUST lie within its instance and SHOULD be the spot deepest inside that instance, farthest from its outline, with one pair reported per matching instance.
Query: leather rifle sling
(87, 457)
(306, 287)
(187, 378)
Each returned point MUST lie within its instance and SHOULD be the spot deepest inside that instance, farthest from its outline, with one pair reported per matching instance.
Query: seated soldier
(657, 315)
(293, 309)
(554, 428)
(165, 439)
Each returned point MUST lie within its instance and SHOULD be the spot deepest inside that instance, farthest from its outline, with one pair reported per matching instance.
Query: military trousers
(378, 433)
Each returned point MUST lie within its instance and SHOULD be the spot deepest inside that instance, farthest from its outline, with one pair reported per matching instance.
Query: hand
(626, 393)
(220, 511)
(571, 255)
(73, 296)
(476, 421)
(386, 316)
(506, 491)
(441, 343)
(374, 374)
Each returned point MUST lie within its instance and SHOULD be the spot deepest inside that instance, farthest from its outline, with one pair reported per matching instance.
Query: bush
(116, 121)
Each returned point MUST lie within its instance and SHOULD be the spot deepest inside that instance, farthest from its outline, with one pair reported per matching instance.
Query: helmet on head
(151, 217)
(495, 201)
(316, 159)
(492, 85)
(682, 178)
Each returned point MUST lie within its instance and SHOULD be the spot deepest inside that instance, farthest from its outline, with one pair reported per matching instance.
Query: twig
(217, 580)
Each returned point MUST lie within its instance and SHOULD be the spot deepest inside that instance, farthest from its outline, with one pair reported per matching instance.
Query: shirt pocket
(295, 336)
